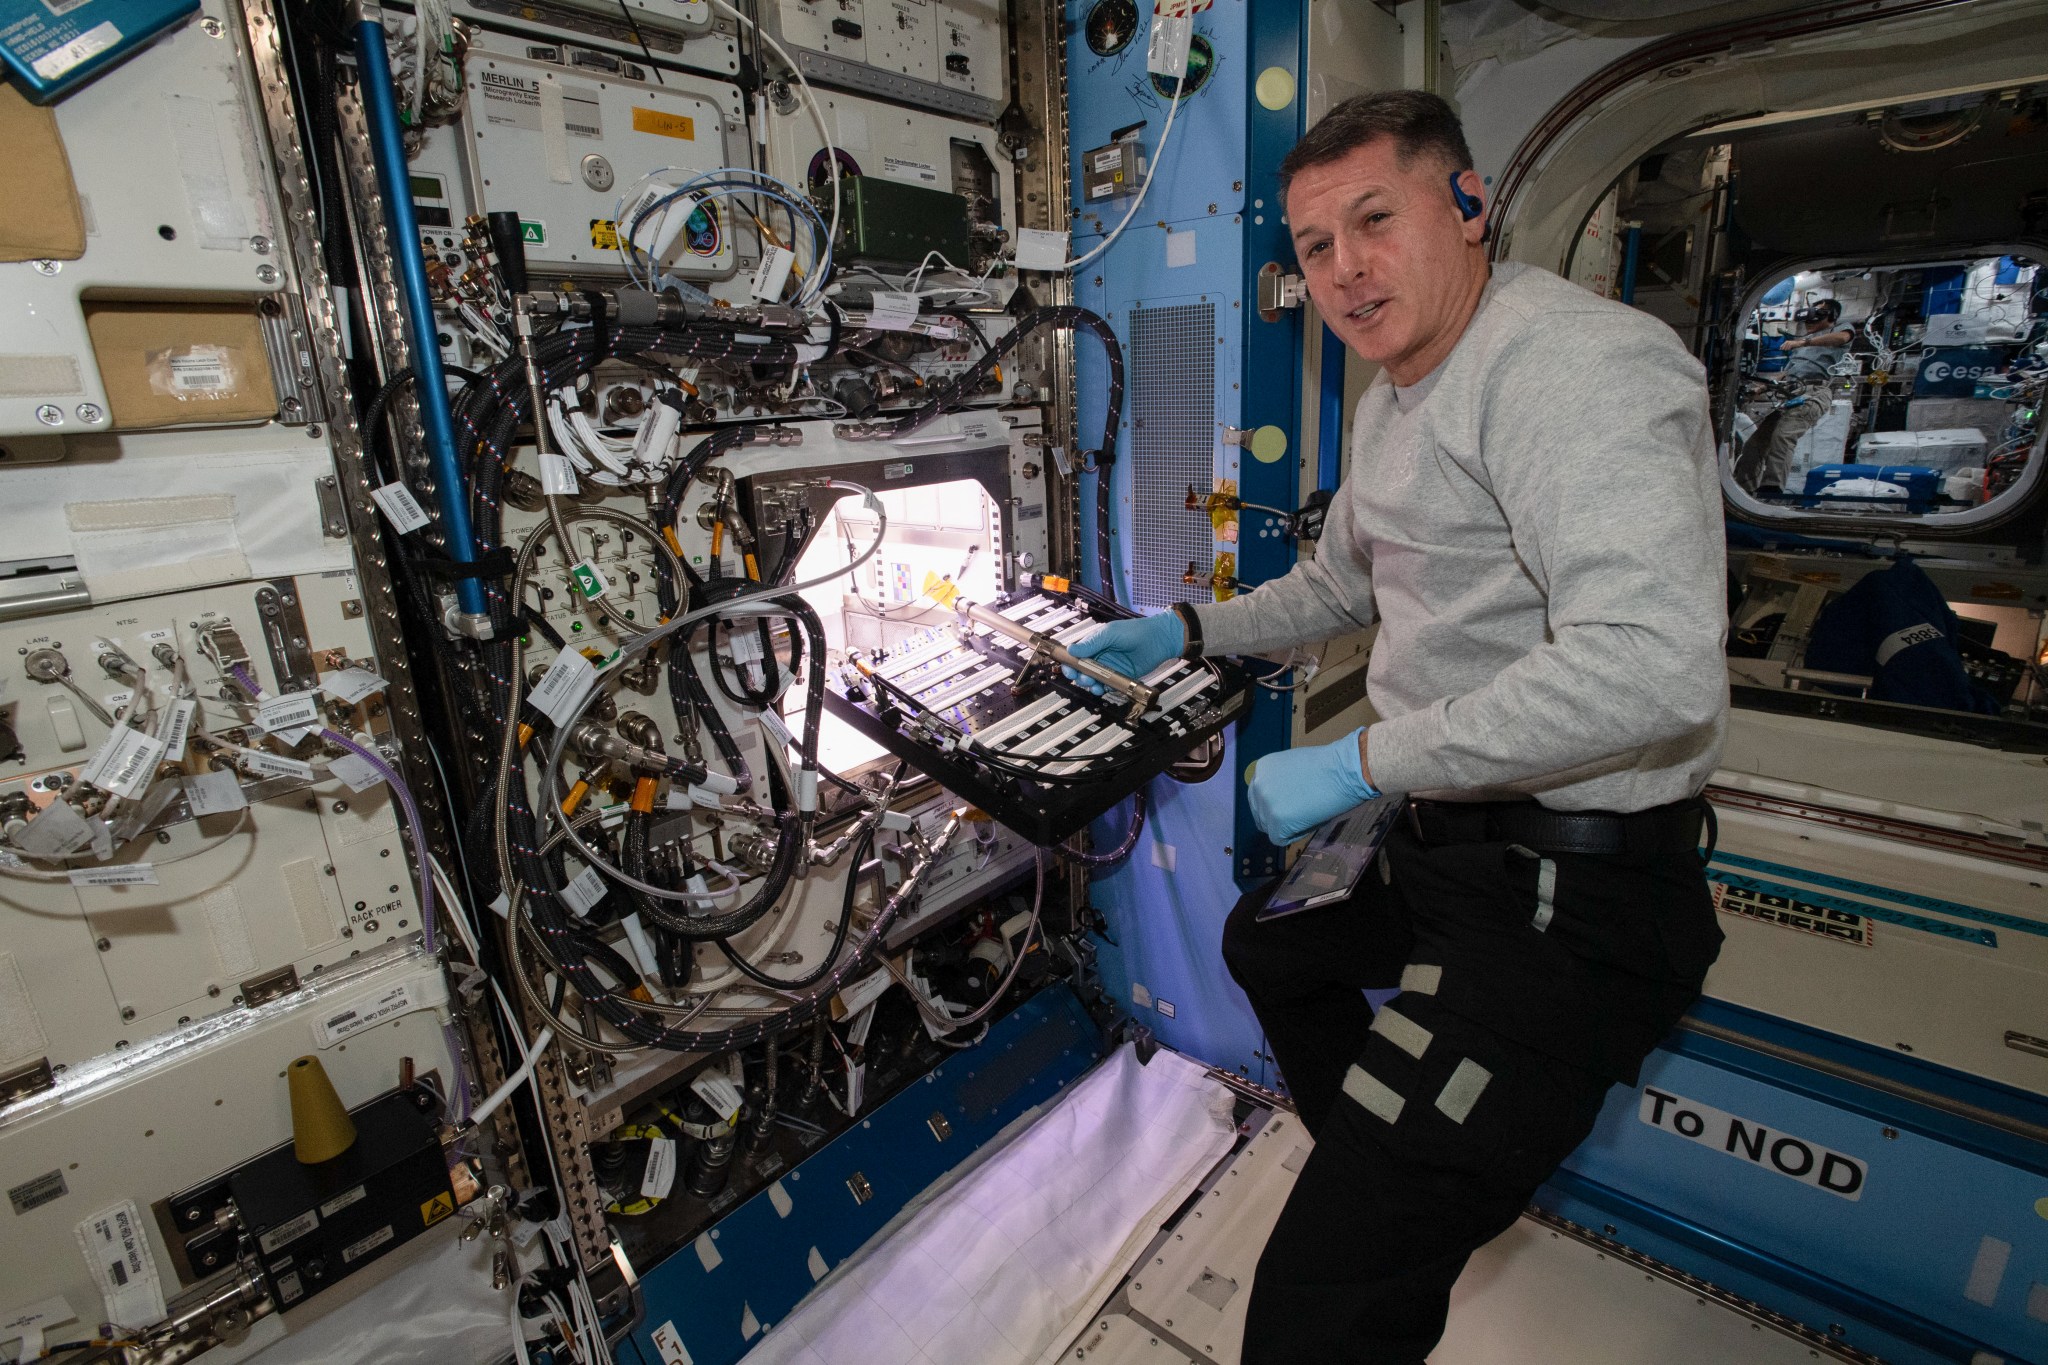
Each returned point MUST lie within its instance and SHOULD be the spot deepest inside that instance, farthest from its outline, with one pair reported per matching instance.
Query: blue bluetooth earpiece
(1468, 204)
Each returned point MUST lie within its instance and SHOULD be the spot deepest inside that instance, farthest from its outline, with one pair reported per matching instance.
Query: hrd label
(1807, 1162)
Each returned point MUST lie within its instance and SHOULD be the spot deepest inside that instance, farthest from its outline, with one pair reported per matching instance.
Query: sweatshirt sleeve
(1597, 445)
(1320, 598)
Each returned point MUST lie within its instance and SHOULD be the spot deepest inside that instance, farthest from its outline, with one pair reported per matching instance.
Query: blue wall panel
(1164, 928)
(1942, 1230)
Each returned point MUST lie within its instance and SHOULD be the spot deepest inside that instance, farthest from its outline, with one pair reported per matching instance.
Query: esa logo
(1940, 371)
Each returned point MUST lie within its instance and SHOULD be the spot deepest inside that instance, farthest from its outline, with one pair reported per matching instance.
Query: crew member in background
(1532, 515)
(1810, 363)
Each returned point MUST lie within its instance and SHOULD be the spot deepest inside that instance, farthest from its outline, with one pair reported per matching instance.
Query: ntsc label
(1807, 1162)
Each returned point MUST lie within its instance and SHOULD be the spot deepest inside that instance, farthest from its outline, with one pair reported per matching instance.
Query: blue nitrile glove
(1294, 790)
(1133, 648)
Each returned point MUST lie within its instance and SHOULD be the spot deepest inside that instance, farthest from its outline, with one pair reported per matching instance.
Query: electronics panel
(945, 55)
(215, 938)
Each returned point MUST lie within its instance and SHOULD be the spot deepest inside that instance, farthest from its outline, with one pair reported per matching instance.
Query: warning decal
(1788, 913)
(437, 1208)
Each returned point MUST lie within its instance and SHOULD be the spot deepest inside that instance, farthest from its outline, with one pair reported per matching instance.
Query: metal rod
(1039, 642)
(430, 386)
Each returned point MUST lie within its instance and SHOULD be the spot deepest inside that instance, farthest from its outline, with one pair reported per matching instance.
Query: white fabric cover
(1007, 1265)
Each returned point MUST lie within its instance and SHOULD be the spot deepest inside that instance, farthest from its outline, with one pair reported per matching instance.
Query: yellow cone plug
(321, 1128)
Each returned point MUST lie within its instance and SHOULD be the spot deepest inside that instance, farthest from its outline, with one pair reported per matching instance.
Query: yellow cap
(321, 1128)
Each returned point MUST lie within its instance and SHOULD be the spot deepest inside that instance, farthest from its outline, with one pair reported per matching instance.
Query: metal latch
(261, 990)
(941, 1129)
(32, 1079)
(857, 1185)
(1279, 291)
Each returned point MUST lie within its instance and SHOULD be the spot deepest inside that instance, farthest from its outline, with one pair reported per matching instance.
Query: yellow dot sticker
(664, 125)
(437, 1208)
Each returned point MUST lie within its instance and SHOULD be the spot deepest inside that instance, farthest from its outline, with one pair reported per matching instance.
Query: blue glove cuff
(1354, 769)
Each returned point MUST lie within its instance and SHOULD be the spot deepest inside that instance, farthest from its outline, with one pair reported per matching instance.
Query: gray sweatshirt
(1537, 528)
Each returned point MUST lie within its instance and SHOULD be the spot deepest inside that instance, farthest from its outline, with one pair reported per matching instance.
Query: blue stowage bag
(1896, 627)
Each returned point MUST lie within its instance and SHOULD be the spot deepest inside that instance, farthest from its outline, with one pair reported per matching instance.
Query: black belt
(1660, 829)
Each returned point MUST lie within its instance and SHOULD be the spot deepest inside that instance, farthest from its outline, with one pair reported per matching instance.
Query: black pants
(1529, 985)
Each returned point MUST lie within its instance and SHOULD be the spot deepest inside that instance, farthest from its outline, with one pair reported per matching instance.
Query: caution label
(604, 234)
(435, 1209)
(1809, 1163)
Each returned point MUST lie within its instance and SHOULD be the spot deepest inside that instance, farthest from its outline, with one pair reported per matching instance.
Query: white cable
(518, 1078)
(1151, 169)
(811, 99)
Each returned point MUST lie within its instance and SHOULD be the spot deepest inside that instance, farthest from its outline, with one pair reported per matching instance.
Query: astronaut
(1811, 359)
(1532, 516)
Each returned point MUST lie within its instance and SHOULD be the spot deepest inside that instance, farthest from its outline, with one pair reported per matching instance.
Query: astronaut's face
(1393, 265)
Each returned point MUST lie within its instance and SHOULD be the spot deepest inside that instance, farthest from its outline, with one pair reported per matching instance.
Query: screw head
(267, 274)
(50, 415)
(212, 26)
(127, 1013)
(105, 944)
(48, 267)
(89, 412)
(261, 245)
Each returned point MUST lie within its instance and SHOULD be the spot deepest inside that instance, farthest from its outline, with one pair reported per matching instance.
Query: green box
(885, 223)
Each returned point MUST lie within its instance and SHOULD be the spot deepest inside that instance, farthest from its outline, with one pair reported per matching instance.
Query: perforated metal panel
(1173, 442)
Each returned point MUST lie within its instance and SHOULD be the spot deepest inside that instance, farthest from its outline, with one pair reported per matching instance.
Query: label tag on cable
(129, 874)
(893, 312)
(557, 475)
(125, 763)
(776, 726)
(350, 685)
(1166, 56)
(117, 1249)
(1041, 250)
(358, 772)
(584, 890)
(769, 280)
(503, 905)
(564, 686)
(717, 1090)
(176, 730)
(214, 793)
(294, 711)
(590, 582)
(58, 831)
(661, 1169)
(399, 507)
(276, 765)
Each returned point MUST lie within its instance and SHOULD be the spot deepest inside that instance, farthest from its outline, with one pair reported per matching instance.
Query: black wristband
(1190, 630)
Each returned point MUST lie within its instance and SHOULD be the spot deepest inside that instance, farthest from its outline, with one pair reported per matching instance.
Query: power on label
(1745, 1139)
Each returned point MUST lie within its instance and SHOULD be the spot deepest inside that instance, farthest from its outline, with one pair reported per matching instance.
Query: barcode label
(563, 687)
(125, 763)
(275, 765)
(203, 370)
(177, 728)
(557, 475)
(289, 712)
(661, 1169)
(399, 507)
(132, 874)
(363, 1012)
(584, 890)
